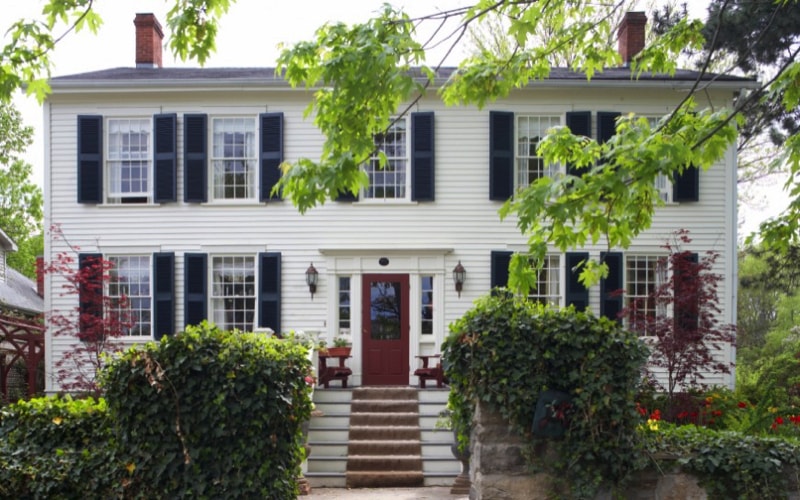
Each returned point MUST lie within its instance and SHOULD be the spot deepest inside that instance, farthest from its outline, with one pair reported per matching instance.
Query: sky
(250, 35)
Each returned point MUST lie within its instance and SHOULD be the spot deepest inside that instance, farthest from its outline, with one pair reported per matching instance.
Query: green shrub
(211, 414)
(506, 351)
(729, 464)
(58, 448)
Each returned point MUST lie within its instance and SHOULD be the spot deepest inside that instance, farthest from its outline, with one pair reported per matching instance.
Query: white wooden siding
(462, 222)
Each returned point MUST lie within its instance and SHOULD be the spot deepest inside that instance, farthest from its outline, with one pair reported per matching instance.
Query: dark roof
(19, 292)
(268, 75)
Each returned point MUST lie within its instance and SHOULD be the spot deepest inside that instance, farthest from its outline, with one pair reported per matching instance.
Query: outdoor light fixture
(459, 275)
(311, 279)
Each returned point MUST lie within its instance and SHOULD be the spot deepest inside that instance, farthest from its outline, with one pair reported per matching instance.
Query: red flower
(742, 404)
(717, 413)
(779, 420)
(656, 415)
(642, 411)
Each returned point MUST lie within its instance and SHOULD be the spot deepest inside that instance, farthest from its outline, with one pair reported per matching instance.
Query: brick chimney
(631, 35)
(149, 37)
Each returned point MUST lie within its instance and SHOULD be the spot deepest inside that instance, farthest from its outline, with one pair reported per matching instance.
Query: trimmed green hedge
(211, 414)
(203, 414)
(58, 448)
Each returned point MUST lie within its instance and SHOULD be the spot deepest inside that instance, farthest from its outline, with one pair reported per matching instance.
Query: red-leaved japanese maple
(94, 324)
(680, 317)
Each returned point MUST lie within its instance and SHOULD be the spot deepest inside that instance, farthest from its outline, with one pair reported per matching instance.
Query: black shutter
(501, 155)
(270, 154)
(579, 123)
(163, 294)
(269, 291)
(195, 290)
(606, 125)
(500, 262)
(90, 295)
(423, 178)
(576, 293)
(90, 159)
(165, 158)
(611, 296)
(346, 196)
(686, 305)
(686, 185)
(195, 158)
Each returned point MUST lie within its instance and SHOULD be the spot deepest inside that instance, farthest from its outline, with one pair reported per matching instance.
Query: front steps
(329, 438)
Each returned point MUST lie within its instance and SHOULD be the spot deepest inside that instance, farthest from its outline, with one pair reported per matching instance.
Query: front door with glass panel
(385, 329)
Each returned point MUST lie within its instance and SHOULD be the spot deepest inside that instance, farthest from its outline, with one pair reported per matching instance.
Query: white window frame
(117, 154)
(525, 147)
(396, 174)
(340, 292)
(427, 305)
(139, 298)
(645, 286)
(220, 293)
(662, 183)
(218, 157)
(549, 282)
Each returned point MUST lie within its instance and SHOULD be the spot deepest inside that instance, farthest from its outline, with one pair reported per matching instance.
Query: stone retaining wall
(499, 472)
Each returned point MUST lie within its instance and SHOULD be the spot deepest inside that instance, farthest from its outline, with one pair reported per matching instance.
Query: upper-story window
(662, 182)
(530, 130)
(233, 292)
(130, 294)
(129, 160)
(391, 180)
(234, 171)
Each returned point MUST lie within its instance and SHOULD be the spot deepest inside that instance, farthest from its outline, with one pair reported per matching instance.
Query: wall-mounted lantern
(311, 279)
(459, 276)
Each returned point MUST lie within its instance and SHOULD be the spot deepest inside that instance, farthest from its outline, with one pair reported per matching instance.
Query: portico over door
(385, 329)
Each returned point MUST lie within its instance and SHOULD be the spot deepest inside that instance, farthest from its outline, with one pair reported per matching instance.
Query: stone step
(384, 463)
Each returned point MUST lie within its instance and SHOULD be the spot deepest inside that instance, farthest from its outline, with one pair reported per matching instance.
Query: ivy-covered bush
(728, 464)
(211, 414)
(506, 351)
(57, 448)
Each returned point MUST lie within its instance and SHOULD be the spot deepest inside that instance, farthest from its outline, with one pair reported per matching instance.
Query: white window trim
(627, 297)
(110, 196)
(363, 198)
(106, 284)
(212, 297)
(249, 200)
(550, 170)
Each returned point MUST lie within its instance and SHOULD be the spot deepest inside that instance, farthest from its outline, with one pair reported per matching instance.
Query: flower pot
(339, 351)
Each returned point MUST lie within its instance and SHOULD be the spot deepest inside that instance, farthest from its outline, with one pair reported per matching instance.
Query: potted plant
(341, 347)
(322, 347)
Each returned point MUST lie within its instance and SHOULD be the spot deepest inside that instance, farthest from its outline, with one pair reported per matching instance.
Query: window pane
(643, 274)
(389, 182)
(234, 161)
(129, 160)
(128, 289)
(344, 305)
(233, 292)
(547, 289)
(426, 286)
(530, 130)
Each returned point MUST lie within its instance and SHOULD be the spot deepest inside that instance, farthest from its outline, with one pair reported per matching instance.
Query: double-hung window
(548, 278)
(129, 292)
(643, 274)
(391, 180)
(662, 182)
(129, 160)
(530, 130)
(233, 292)
(234, 158)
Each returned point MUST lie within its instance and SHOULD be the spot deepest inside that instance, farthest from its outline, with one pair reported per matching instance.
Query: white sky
(249, 36)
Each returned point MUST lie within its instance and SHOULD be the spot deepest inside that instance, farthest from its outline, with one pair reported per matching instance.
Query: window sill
(386, 202)
(234, 203)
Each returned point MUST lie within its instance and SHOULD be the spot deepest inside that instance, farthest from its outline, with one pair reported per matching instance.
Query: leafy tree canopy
(610, 204)
(20, 198)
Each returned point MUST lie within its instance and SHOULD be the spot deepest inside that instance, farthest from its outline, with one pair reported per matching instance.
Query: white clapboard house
(168, 172)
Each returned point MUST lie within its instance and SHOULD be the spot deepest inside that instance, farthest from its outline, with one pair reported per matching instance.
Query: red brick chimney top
(149, 37)
(631, 35)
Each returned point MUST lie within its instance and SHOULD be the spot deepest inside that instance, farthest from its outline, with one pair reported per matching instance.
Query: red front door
(385, 329)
